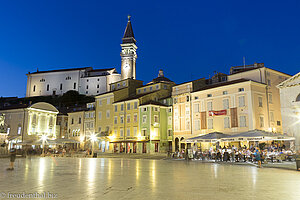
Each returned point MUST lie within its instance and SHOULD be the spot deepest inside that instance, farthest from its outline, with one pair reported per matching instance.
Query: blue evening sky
(187, 39)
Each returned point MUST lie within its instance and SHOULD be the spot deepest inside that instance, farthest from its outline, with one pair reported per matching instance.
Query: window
(19, 130)
(139, 91)
(278, 123)
(135, 117)
(87, 87)
(128, 106)
(34, 88)
(197, 125)
(116, 108)
(121, 132)
(225, 103)
(108, 101)
(151, 88)
(99, 115)
(115, 131)
(187, 123)
(98, 85)
(145, 89)
(128, 131)
(269, 82)
(100, 102)
(260, 103)
(270, 98)
(135, 105)
(48, 87)
(225, 92)
(135, 131)
(175, 100)
(118, 85)
(243, 121)
(157, 87)
(187, 109)
(99, 129)
(92, 125)
(122, 107)
(115, 120)
(122, 119)
(144, 109)
(107, 113)
(209, 106)
(196, 97)
(272, 116)
(79, 120)
(128, 118)
(144, 132)
(156, 118)
(241, 89)
(144, 119)
(187, 98)
(261, 122)
(74, 86)
(209, 95)
(112, 87)
(87, 115)
(165, 87)
(72, 121)
(226, 122)
(196, 107)
(169, 120)
(170, 110)
(210, 124)
(60, 87)
(124, 83)
(156, 109)
(241, 101)
(92, 114)
(169, 132)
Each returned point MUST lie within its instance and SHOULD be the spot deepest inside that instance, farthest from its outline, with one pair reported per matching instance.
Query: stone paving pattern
(123, 178)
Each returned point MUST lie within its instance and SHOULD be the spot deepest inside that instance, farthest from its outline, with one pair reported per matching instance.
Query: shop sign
(217, 113)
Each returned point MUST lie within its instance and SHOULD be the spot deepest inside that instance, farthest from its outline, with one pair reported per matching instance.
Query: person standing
(258, 157)
(13, 154)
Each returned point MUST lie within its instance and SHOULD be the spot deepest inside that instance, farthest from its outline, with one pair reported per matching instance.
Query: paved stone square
(118, 178)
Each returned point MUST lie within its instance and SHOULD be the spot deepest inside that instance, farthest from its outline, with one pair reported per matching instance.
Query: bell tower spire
(128, 53)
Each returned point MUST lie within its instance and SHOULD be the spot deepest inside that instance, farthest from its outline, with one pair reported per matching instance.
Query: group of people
(272, 153)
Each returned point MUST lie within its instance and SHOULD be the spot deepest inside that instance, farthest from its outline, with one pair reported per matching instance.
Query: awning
(257, 135)
(65, 141)
(12, 137)
(210, 137)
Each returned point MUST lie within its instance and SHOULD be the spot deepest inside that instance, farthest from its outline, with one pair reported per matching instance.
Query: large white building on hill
(85, 80)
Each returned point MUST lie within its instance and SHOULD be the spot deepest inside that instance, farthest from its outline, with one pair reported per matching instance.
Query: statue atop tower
(128, 53)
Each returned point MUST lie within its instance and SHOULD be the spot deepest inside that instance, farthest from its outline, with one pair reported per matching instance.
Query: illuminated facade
(29, 123)
(290, 105)
(85, 80)
(76, 127)
(246, 99)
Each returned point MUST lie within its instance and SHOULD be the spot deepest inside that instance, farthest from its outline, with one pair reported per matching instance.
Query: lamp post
(44, 138)
(93, 139)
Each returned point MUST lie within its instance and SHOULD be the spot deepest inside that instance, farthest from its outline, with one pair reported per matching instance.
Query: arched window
(298, 97)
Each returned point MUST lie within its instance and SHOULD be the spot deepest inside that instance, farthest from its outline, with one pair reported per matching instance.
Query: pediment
(293, 81)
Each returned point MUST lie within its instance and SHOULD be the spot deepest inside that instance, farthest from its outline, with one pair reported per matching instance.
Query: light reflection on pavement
(117, 178)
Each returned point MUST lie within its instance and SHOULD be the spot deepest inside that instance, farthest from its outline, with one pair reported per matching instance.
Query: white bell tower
(128, 53)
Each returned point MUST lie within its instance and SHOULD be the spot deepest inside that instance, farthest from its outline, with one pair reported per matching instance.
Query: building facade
(25, 123)
(290, 105)
(87, 81)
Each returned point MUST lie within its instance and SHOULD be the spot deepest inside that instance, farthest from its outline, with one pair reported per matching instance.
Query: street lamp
(93, 138)
(44, 138)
